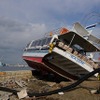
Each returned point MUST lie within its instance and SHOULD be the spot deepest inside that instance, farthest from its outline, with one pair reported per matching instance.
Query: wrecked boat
(37, 49)
(78, 28)
(63, 55)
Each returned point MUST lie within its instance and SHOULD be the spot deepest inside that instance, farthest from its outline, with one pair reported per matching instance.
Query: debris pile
(36, 85)
(13, 83)
(24, 86)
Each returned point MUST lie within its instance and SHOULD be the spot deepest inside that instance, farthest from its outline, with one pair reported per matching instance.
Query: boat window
(43, 42)
(33, 44)
(48, 40)
(38, 43)
(76, 47)
(79, 49)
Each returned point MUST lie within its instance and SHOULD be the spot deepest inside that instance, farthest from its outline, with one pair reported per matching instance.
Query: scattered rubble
(12, 83)
(51, 83)
(22, 94)
(60, 93)
(4, 95)
(93, 91)
(36, 85)
(21, 83)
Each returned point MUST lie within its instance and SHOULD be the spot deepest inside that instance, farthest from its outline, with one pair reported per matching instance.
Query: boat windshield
(33, 43)
(41, 42)
(48, 40)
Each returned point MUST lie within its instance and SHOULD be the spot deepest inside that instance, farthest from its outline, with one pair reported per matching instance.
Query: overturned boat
(78, 28)
(63, 55)
(37, 49)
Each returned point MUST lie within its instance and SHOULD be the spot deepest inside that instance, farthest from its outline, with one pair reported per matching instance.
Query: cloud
(47, 11)
(12, 30)
(24, 20)
(15, 35)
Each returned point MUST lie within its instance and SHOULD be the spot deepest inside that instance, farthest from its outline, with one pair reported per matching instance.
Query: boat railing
(58, 31)
(67, 48)
(37, 47)
(45, 46)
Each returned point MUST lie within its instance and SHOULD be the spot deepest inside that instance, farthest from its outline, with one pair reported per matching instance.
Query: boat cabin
(40, 44)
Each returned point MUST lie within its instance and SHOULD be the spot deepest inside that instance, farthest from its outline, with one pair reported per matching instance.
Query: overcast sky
(24, 20)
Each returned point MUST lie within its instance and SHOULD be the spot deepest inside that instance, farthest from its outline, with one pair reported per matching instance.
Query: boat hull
(47, 68)
(34, 62)
(63, 66)
(59, 63)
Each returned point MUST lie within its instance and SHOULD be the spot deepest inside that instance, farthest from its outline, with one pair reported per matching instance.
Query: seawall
(15, 74)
